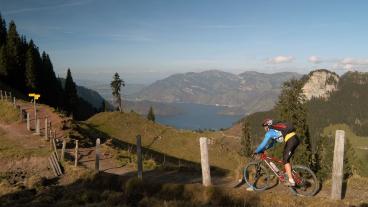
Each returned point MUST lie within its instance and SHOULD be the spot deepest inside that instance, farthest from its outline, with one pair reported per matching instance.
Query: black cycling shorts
(289, 148)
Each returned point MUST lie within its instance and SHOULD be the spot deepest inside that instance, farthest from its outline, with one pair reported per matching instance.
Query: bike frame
(267, 159)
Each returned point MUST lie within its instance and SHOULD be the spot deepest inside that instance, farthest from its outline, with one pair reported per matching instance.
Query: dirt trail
(108, 163)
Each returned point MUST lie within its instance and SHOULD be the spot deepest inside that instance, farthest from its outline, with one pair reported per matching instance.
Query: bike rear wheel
(306, 183)
(257, 176)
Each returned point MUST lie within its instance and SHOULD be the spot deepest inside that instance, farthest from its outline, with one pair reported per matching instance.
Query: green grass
(359, 144)
(8, 113)
(181, 144)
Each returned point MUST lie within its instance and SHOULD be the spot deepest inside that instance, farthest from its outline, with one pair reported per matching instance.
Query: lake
(197, 116)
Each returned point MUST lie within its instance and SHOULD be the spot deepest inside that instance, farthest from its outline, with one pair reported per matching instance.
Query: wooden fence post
(37, 127)
(139, 157)
(97, 163)
(206, 176)
(15, 106)
(1, 94)
(46, 128)
(338, 164)
(63, 151)
(28, 123)
(6, 96)
(76, 154)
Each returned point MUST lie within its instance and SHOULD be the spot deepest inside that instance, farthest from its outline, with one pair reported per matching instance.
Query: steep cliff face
(320, 83)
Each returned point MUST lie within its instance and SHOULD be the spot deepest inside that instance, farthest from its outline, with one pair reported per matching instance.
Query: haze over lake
(197, 116)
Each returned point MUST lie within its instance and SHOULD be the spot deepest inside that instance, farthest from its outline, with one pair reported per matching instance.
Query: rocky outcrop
(320, 83)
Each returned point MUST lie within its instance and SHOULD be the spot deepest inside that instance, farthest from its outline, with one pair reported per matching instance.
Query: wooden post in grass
(139, 157)
(206, 176)
(37, 126)
(97, 163)
(6, 96)
(15, 106)
(76, 154)
(1, 94)
(338, 164)
(46, 128)
(62, 156)
(28, 123)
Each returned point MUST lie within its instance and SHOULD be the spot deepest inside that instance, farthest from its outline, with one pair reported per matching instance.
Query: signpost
(35, 97)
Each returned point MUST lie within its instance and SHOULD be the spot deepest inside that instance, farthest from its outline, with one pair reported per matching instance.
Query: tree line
(24, 68)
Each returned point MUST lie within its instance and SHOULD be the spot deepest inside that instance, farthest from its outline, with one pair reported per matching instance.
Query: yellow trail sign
(34, 95)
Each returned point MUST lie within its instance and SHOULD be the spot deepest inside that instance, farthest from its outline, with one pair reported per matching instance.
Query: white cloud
(281, 59)
(314, 59)
(349, 63)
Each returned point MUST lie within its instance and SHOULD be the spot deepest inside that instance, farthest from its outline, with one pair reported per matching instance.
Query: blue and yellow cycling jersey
(271, 137)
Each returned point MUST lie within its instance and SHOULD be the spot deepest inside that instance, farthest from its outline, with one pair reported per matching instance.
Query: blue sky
(148, 40)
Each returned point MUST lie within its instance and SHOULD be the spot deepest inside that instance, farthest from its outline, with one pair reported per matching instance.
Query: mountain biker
(279, 132)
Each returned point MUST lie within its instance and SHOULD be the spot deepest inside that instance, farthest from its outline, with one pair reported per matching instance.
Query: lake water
(198, 116)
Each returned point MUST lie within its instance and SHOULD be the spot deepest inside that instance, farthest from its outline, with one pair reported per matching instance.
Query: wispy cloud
(56, 6)
(226, 26)
(349, 63)
(281, 59)
(314, 59)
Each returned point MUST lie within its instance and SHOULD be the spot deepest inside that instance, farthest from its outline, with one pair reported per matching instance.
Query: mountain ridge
(246, 92)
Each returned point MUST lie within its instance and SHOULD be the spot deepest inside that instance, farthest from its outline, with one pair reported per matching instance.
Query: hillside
(344, 105)
(247, 92)
(166, 140)
(176, 183)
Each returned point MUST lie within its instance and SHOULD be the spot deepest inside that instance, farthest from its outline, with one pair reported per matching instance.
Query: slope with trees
(25, 70)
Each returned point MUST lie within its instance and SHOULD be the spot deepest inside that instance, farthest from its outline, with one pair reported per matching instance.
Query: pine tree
(52, 88)
(116, 85)
(151, 115)
(103, 106)
(3, 64)
(3, 32)
(292, 109)
(32, 72)
(246, 141)
(71, 96)
(16, 76)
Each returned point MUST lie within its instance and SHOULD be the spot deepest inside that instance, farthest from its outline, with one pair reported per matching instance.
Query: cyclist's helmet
(267, 122)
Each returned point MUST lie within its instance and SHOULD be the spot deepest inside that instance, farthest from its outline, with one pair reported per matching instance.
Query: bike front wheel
(306, 183)
(257, 176)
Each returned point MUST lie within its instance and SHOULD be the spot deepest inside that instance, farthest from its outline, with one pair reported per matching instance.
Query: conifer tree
(3, 63)
(292, 109)
(2, 31)
(151, 115)
(16, 76)
(70, 90)
(116, 85)
(246, 141)
(103, 106)
(52, 88)
(32, 68)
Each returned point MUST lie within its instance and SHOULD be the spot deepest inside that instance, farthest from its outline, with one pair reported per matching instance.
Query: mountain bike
(257, 176)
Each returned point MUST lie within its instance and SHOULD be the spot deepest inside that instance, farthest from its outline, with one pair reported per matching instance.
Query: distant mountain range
(244, 93)
(141, 107)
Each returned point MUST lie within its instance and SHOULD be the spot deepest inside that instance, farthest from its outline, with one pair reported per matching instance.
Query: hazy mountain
(104, 88)
(245, 93)
(141, 107)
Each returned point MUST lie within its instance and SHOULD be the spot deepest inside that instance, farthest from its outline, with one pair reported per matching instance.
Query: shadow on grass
(105, 189)
(165, 160)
